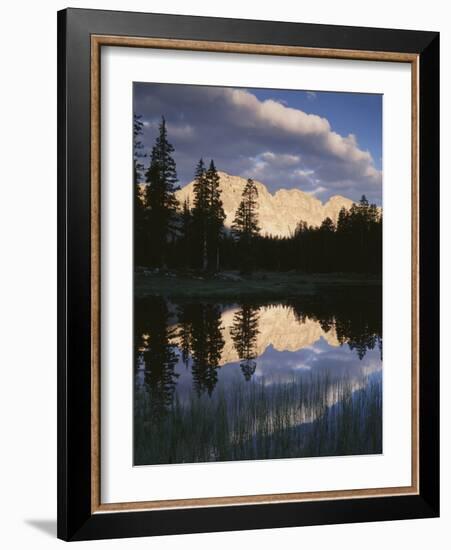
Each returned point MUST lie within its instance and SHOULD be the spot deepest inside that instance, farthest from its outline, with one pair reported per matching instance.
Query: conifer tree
(326, 249)
(342, 219)
(200, 189)
(138, 203)
(186, 220)
(327, 225)
(215, 217)
(160, 194)
(245, 225)
(186, 228)
(137, 148)
(200, 212)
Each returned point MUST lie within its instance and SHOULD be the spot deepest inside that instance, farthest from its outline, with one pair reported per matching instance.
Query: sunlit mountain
(278, 213)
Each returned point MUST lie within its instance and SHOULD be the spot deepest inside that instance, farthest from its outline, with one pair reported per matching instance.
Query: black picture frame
(75, 518)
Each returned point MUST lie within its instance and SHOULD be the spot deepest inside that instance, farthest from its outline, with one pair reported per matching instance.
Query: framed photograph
(248, 274)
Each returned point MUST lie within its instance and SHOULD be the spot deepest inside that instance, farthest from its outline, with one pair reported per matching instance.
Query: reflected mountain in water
(276, 326)
(256, 380)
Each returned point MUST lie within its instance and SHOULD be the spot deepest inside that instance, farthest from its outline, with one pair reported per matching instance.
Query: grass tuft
(300, 418)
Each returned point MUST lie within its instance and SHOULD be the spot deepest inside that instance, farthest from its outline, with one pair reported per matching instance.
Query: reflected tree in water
(244, 334)
(196, 419)
(158, 354)
(356, 317)
(206, 343)
(360, 329)
(184, 332)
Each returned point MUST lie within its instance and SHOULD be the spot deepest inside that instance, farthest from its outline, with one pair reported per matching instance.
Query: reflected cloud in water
(233, 362)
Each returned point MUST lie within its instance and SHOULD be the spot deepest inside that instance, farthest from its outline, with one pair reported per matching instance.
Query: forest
(193, 237)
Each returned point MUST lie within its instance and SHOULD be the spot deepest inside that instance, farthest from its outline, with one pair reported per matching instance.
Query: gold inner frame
(97, 41)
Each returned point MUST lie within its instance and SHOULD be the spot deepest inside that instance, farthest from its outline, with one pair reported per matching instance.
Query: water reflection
(158, 358)
(244, 333)
(256, 380)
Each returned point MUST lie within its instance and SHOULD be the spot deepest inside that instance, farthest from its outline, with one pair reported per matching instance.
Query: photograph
(257, 287)
(248, 272)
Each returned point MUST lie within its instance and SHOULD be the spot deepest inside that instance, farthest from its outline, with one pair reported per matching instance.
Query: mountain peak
(278, 213)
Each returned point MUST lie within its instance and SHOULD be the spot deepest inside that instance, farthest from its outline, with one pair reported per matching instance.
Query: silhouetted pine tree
(137, 148)
(245, 225)
(200, 214)
(186, 230)
(138, 199)
(326, 238)
(160, 195)
(215, 217)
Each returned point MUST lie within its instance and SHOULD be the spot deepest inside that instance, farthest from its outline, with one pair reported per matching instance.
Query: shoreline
(149, 282)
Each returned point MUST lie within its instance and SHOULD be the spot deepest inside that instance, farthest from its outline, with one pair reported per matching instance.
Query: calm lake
(253, 379)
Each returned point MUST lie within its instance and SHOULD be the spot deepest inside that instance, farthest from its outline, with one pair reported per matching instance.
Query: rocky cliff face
(278, 213)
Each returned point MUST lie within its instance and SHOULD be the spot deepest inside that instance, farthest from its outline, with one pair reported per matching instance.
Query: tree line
(193, 236)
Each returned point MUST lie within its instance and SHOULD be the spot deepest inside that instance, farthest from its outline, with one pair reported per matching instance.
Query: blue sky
(323, 143)
(348, 113)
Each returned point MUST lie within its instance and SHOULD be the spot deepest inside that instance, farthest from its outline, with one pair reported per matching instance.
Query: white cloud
(297, 123)
(304, 172)
(265, 139)
(317, 191)
(280, 159)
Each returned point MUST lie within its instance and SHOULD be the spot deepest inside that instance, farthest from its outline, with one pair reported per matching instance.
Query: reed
(308, 417)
